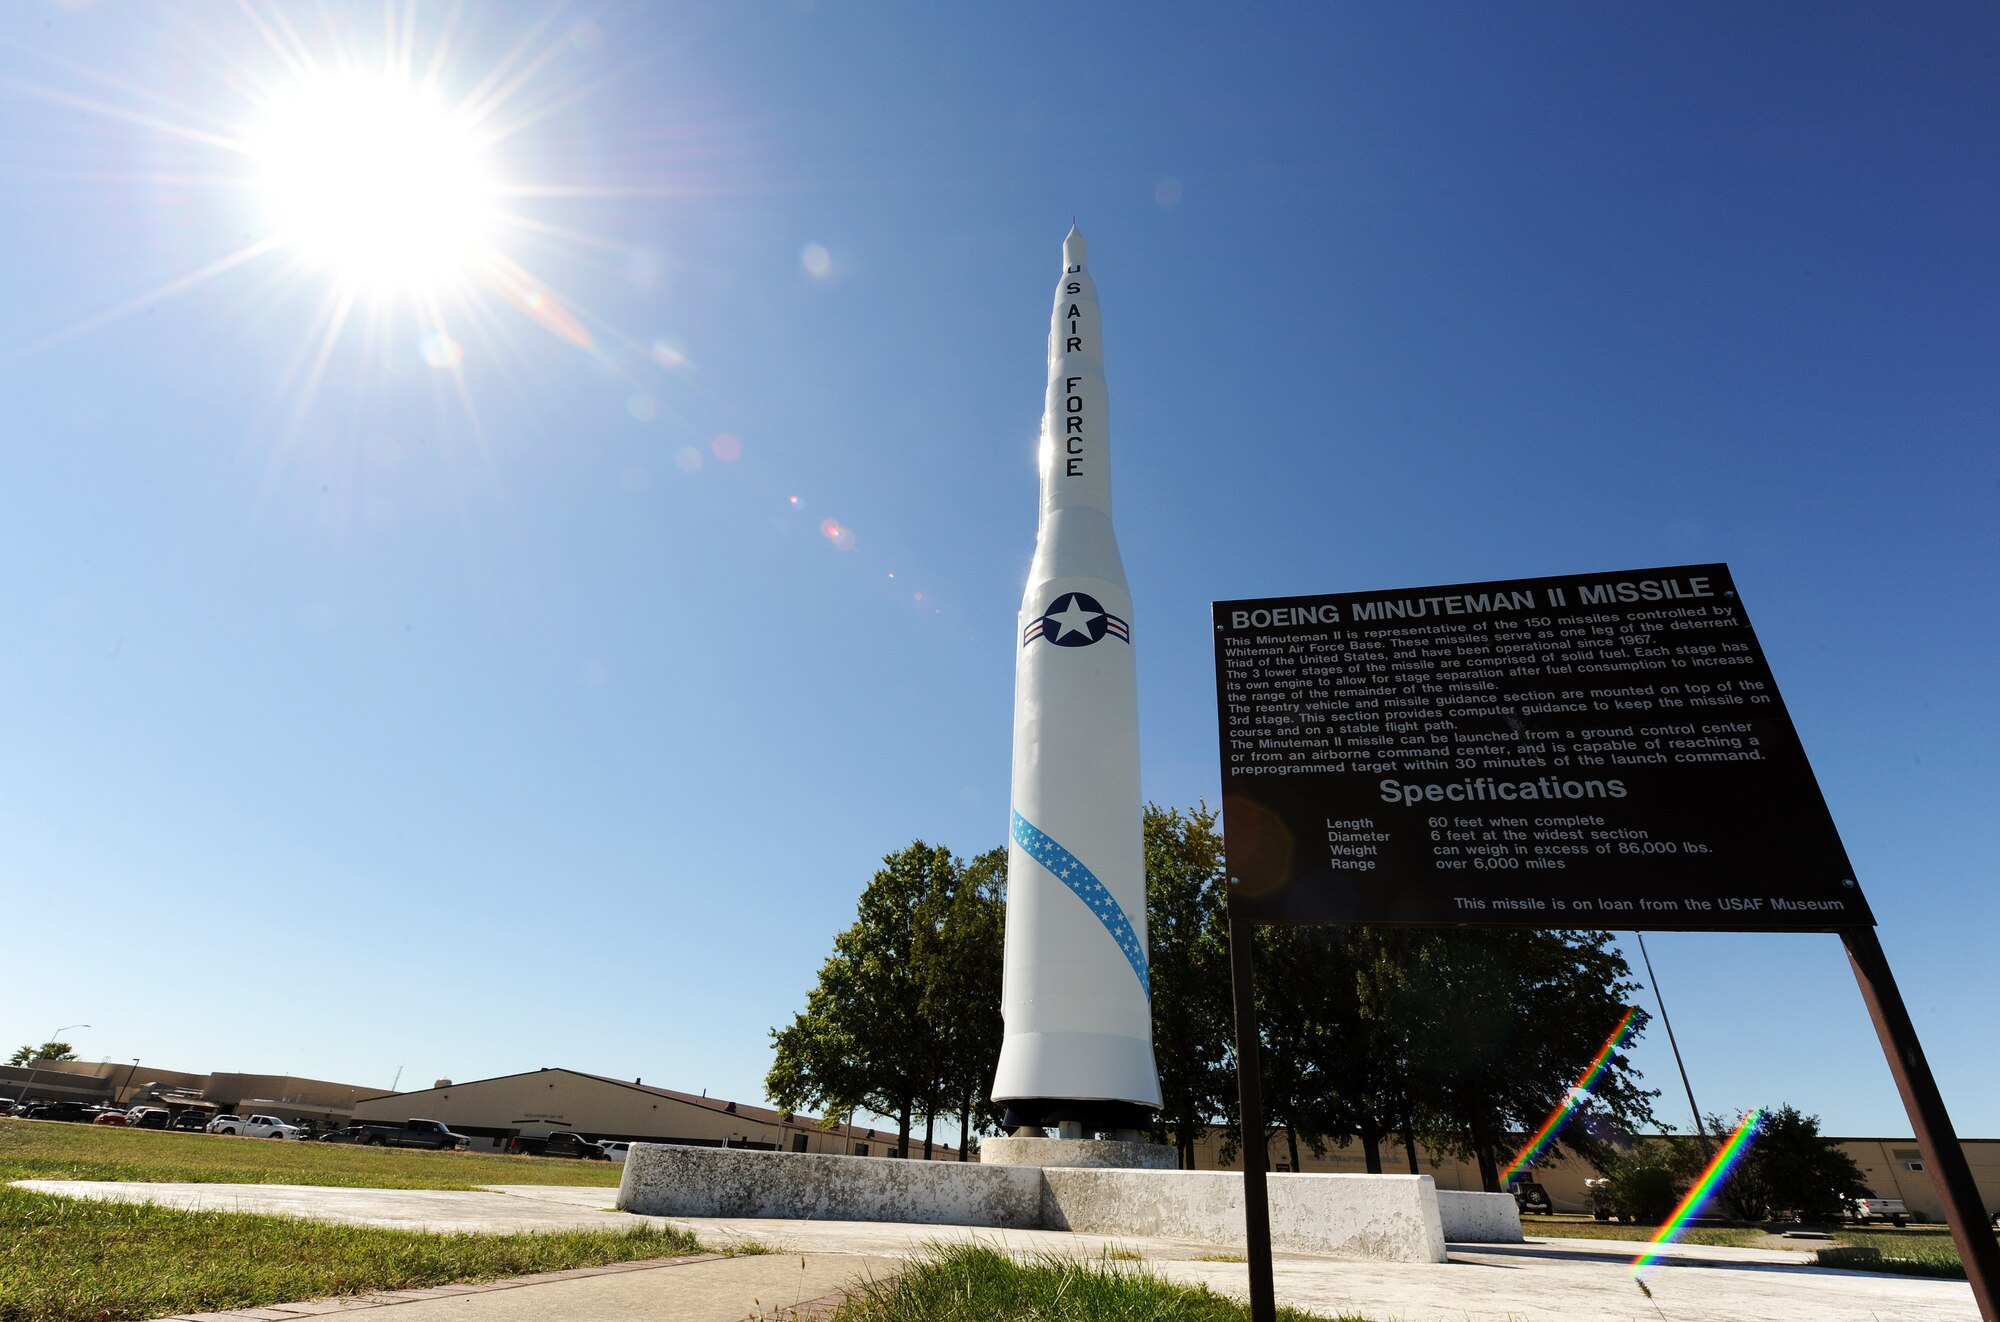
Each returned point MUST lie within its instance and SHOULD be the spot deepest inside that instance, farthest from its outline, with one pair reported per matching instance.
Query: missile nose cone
(1075, 250)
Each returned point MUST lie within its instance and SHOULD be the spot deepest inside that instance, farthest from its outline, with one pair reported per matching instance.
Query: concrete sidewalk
(1545, 1280)
(776, 1288)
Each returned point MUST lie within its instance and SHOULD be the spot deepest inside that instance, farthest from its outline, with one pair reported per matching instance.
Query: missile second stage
(1078, 1050)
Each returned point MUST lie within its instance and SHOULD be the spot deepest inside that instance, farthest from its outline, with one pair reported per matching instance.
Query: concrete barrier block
(1479, 1218)
(1391, 1218)
(668, 1179)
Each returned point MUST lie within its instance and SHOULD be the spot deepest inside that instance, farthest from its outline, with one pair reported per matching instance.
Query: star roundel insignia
(1075, 619)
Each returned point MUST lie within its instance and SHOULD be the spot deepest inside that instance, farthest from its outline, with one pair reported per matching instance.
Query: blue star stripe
(1069, 869)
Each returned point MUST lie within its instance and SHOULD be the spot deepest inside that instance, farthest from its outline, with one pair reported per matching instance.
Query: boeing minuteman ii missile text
(1078, 1050)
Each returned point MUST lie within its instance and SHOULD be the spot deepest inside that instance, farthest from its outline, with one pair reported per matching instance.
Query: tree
(1188, 958)
(46, 1051)
(1372, 1088)
(1647, 1183)
(1307, 1018)
(1788, 1166)
(959, 955)
(1501, 1023)
(905, 1015)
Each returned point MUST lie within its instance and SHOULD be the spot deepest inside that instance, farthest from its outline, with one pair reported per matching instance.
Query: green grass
(1910, 1252)
(1914, 1251)
(48, 1150)
(968, 1283)
(80, 1260)
(1556, 1227)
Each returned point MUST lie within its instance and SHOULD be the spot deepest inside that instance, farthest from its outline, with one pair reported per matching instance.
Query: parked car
(559, 1144)
(351, 1134)
(148, 1117)
(110, 1119)
(615, 1150)
(434, 1134)
(75, 1112)
(1530, 1197)
(257, 1126)
(195, 1121)
(1863, 1210)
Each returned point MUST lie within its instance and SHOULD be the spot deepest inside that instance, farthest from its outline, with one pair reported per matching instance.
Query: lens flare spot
(726, 448)
(688, 459)
(838, 533)
(1167, 194)
(817, 261)
(643, 408)
(793, 501)
(669, 356)
(553, 316)
(439, 350)
(586, 36)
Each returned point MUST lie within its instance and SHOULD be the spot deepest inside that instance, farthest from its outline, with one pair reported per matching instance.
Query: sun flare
(374, 180)
(388, 179)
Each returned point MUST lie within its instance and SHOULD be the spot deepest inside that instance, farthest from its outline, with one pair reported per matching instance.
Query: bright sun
(374, 180)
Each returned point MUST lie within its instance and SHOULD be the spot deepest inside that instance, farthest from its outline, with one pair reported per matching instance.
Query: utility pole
(1700, 1129)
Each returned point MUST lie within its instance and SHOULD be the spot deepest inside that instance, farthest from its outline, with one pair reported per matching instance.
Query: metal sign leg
(1250, 1091)
(1943, 1157)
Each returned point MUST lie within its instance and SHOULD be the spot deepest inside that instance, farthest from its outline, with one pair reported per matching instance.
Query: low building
(495, 1111)
(1890, 1167)
(298, 1100)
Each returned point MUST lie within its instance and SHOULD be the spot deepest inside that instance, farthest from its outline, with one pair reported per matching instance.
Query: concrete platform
(1397, 1218)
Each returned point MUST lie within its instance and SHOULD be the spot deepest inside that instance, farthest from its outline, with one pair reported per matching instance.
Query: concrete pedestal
(1094, 1152)
(1397, 1218)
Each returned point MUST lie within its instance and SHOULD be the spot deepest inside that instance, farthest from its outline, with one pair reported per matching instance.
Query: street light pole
(31, 1062)
(128, 1080)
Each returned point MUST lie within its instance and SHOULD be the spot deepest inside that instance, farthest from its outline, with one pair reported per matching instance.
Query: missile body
(1078, 1049)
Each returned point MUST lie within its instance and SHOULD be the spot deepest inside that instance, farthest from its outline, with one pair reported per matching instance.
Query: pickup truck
(434, 1134)
(257, 1126)
(1863, 1210)
(559, 1144)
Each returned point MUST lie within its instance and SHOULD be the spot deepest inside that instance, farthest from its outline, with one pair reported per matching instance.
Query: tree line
(1445, 1039)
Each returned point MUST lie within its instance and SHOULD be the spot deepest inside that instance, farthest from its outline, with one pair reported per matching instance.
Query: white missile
(1076, 995)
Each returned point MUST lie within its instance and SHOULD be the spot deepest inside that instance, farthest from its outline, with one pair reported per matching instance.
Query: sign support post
(1943, 1157)
(1250, 1096)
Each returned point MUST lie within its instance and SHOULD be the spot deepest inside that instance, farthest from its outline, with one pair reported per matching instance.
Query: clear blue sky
(465, 691)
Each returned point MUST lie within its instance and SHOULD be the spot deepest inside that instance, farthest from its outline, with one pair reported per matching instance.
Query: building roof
(763, 1115)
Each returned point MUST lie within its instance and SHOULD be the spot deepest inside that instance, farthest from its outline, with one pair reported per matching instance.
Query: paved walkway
(1545, 1280)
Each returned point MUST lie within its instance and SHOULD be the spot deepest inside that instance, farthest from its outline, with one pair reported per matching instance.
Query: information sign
(1604, 750)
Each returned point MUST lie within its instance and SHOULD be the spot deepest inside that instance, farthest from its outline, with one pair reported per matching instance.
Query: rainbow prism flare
(1702, 1190)
(1576, 1096)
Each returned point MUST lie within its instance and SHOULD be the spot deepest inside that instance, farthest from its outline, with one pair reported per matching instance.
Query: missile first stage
(1076, 997)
